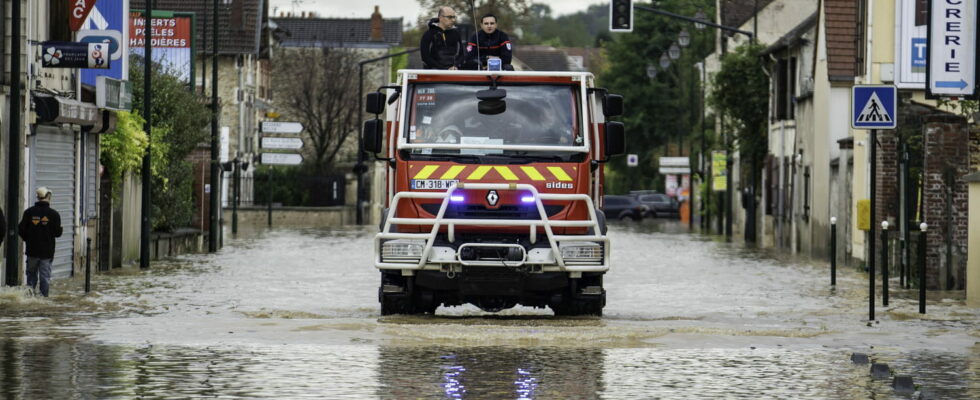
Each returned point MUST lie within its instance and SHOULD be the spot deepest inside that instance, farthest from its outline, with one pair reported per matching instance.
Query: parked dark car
(623, 207)
(660, 205)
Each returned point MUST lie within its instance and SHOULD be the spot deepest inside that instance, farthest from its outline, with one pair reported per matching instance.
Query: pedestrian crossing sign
(874, 106)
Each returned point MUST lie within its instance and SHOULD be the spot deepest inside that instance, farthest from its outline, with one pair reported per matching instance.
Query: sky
(407, 9)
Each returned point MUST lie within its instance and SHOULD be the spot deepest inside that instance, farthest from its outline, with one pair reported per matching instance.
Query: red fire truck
(494, 183)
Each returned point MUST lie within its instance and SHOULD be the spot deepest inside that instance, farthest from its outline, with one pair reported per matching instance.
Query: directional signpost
(282, 127)
(278, 142)
(281, 143)
(952, 55)
(281, 159)
(873, 107)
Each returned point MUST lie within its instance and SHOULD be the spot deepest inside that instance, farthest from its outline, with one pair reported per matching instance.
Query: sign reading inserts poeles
(171, 39)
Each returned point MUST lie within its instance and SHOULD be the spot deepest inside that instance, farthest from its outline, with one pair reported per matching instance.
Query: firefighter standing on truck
(488, 42)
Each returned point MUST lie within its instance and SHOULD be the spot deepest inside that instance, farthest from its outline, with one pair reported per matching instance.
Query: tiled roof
(591, 58)
(239, 22)
(734, 13)
(335, 32)
(542, 58)
(842, 50)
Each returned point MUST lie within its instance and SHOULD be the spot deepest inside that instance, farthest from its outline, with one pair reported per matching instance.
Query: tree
(659, 111)
(319, 88)
(180, 118)
(741, 92)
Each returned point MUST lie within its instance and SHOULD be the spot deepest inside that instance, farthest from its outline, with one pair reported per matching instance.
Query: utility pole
(12, 272)
(146, 204)
(215, 167)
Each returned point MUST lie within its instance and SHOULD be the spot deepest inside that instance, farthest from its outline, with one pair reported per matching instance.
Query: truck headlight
(581, 252)
(402, 250)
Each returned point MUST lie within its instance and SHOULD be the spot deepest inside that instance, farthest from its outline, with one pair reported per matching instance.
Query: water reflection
(492, 372)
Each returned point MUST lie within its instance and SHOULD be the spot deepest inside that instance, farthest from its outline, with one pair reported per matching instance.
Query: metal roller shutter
(53, 165)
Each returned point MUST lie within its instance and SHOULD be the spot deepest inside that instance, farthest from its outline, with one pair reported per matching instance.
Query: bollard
(88, 264)
(833, 251)
(884, 263)
(922, 267)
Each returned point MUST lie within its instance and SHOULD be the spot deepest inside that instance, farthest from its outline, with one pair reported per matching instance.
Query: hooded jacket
(38, 228)
(441, 49)
(495, 44)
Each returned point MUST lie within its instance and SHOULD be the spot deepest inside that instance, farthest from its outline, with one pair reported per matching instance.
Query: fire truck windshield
(536, 115)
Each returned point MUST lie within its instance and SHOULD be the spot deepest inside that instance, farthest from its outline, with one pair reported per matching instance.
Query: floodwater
(294, 313)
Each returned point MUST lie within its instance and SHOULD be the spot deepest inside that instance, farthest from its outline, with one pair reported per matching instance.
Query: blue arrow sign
(951, 84)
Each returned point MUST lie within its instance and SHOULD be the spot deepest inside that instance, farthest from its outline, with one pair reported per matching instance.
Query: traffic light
(621, 16)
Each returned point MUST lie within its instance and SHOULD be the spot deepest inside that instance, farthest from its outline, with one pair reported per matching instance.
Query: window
(785, 89)
(861, 27)
(536, 115)
(58, 20)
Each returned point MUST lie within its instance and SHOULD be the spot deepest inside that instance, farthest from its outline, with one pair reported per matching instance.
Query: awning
(56, 109)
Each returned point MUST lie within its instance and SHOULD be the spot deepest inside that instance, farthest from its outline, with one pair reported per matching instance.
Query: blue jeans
(39, 266)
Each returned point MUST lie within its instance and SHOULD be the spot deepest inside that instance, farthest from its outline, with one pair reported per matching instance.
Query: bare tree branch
(316, 87)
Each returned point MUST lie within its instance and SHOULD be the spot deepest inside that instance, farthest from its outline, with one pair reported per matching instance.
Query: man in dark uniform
(488, 42)
(38, 228)
(441, 46)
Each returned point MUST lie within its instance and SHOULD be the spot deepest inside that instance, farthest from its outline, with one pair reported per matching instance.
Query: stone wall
(292, 217)
(945, 200)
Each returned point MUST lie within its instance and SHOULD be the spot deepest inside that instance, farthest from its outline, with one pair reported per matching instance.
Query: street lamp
(664, 61)
(651, 71)
(699, 15)
(684, 38)
(674, 51)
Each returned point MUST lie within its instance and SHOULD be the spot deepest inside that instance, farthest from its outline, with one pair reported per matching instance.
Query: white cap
(43, 192)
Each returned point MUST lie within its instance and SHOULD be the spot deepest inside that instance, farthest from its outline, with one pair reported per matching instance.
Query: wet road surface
(294, 313)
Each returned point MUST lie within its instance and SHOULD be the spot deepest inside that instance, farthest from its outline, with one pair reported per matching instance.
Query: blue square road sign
(874, 106)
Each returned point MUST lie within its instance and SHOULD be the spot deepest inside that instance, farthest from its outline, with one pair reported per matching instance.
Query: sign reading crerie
(952, 49)
(281, 127)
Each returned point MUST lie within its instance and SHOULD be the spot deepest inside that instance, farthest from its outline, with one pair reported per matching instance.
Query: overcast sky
(407, 9)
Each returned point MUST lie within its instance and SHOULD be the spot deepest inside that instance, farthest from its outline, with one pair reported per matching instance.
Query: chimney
(304, 14)
(377, 31)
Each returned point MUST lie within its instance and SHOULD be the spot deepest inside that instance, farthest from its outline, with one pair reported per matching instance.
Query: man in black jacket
(38, 228)
(488, 42)
(441, 46)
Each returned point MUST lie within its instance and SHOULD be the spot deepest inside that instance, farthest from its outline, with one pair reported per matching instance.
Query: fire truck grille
(476, 211)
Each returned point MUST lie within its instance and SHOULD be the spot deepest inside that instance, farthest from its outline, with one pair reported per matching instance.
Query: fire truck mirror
(612, 105)
(375, 103)
(615, 138)
(373, 135)
(491, 107)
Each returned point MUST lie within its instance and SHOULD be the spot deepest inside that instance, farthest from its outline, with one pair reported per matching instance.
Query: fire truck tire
(410, 301)
(600, 216)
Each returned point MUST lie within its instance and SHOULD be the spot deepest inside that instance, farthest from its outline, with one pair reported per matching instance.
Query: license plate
(433, 184)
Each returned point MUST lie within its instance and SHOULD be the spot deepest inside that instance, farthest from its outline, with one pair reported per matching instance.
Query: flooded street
(294, 313)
